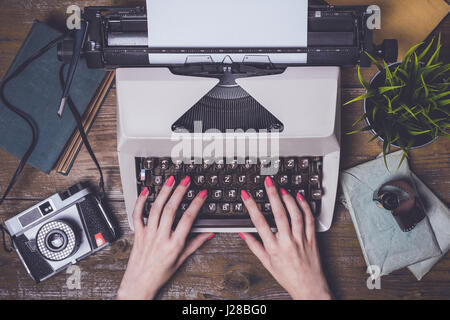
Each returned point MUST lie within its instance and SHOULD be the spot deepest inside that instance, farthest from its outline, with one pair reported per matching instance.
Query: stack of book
(74, 144)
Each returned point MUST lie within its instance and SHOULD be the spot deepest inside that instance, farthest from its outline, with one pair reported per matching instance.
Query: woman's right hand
(290, 255)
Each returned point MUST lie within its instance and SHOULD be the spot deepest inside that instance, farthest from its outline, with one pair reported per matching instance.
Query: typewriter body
(284, 101)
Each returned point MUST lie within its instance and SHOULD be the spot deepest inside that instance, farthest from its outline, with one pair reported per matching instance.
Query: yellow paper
(408, 21)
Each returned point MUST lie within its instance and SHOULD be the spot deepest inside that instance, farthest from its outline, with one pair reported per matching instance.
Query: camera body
(60, 231)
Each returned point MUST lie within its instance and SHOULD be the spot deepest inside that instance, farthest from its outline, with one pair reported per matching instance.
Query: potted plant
(407, 104)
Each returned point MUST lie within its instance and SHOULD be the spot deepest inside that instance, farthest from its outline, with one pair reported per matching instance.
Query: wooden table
(224, 268)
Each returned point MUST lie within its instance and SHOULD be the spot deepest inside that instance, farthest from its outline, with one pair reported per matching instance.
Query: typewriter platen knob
(65, 50)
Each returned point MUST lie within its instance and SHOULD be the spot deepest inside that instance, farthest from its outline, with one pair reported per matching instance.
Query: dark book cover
(37, 91)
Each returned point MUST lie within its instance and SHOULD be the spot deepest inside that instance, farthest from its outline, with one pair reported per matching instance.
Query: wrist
(319, 293)
(135, 294)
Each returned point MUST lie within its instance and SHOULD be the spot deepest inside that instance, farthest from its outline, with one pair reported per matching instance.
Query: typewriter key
(225, 207)
(213, 180)
(241, 179)
(227, 179)
(289, 163)
(304, 163)
(283, 180)
(190, 194)
(238, 207)
(164, 164)
(259, 194)
(199, 180)
(212, 207)
(217, 194)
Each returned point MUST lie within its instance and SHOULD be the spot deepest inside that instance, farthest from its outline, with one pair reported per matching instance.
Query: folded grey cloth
(382, 242)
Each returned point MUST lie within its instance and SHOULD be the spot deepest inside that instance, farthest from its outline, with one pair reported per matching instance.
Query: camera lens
(56, 240)
(389, 201)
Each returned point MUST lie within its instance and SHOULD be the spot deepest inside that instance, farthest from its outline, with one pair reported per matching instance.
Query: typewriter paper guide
(227, 24)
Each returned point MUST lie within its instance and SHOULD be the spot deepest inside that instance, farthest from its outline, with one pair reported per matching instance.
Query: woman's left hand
(157, 250)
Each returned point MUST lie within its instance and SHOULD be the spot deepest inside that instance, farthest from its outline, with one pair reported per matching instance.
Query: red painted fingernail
(244, 195)
(300, 197)
(241, 235)
(283, 191)
(170, 181)
(203, 194)
(211, 236)
(144, 192)
(185, 181)
(269, 182)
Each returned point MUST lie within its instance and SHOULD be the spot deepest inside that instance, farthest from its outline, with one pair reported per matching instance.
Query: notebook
(37, 91)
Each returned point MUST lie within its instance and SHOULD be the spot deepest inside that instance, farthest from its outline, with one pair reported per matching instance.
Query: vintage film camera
(60, 231)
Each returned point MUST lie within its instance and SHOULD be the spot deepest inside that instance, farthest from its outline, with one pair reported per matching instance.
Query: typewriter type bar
(337, 35)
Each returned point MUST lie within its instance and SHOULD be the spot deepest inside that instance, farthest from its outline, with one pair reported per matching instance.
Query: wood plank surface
(224, 268)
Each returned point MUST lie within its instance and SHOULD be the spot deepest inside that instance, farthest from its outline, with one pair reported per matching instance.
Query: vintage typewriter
(172, 86)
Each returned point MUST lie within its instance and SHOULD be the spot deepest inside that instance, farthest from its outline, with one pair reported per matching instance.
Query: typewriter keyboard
(225, 180)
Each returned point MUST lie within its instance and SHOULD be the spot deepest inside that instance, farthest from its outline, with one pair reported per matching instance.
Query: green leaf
(404, 73)
(416, 67)
(373, 138)
(389, 104)
(425, 87)
(428, 71)
(435, 55)
(389, 77)
(405, 152)
(361, 97)
(444, 103)
(444, 111)
(374, 111)
(359, 120)
(442, 95)
(408, 55)
(442, 71)
(424, 52)
(385, 151)
(379, 66)
(417, 133)
(361, 79)
(382, 90)
(367, 128)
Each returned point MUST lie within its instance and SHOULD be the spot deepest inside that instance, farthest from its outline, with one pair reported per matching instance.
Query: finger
(257, 248)
(278, 211)
(158, 204)
(138, 222)
(258, 219)
(171, 207)
(310, 226)
(193, 245)
(188, 218)
(296, 215)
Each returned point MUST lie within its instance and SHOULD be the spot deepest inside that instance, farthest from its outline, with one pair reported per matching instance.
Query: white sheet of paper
(227, 24)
